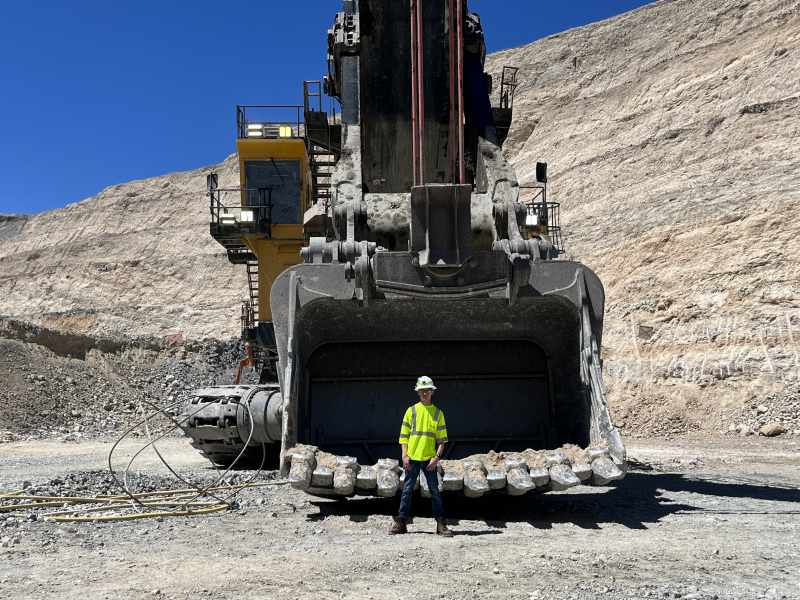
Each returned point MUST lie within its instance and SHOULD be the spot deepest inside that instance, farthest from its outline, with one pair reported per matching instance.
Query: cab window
(283, 176)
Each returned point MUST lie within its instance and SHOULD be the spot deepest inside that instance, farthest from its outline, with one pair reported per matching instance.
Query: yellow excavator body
(279, 164)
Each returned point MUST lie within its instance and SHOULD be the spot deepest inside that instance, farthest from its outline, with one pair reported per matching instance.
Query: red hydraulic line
(421, 92)
(245, 362)
(414, 116)
(451, 36)
(460, 58)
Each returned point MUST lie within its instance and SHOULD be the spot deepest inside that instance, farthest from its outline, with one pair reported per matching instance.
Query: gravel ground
(696, 518)
(97, 397)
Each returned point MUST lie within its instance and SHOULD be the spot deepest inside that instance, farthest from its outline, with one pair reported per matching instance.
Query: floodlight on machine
(247, 216)
(285, 131)
(255, 130)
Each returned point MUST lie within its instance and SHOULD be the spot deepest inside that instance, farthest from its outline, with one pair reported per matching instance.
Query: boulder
(772, 430)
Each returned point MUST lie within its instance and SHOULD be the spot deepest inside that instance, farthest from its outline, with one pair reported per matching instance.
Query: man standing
(422, 437)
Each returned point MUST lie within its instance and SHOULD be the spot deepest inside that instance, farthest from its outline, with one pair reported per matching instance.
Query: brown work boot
(399, 526)
(441, 528)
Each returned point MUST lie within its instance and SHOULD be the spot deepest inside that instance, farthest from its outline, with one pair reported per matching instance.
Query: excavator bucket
(514, 380)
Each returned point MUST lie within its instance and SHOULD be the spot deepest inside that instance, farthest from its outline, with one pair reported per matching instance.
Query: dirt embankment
(55, 385)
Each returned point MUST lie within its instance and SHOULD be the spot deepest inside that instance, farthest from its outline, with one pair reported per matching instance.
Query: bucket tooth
(519, 482)
(387, 483)
(514, 463)
(562, 477)
(559, 458)
(322, 476)
(347, 462)
(389, 463)
(452, 481)
(597, 452)
(424, 490)
(496, 479)
(473, 465)
(583, 471)
(605, 471)
(540, 476)
(303, 464)
(402, 480)
(475, 483)
(344, 481)
(367, 478)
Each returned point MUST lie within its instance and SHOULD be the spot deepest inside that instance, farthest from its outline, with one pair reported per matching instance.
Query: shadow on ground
(634, 502)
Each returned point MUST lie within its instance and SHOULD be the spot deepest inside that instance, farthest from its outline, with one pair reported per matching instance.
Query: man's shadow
(635, 501)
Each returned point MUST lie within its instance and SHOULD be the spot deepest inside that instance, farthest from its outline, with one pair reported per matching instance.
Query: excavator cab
(260, 223)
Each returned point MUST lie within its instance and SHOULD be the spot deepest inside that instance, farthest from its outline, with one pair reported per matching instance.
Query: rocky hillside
(671, 133)
(134, 260)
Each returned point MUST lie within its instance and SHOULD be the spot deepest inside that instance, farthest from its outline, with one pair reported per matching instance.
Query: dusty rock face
(671, 134)
(45, 394)
(134, 260)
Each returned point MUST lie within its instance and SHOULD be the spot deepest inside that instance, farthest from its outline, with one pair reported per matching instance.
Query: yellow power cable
(141, 515)
(102, 508)
(116, 501)
(11, 494)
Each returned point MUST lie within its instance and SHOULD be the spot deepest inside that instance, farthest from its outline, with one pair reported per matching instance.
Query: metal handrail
(262, 211)
(547, 213)
(508, 87)
(241, 118)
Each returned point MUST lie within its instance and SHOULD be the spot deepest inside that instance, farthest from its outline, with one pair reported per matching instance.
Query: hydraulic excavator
(390, 239)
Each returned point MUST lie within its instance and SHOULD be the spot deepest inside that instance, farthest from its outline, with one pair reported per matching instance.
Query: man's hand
(406, 463)
(432, 465)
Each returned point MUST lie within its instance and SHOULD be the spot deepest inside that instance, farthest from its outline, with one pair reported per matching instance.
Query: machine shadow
(634, 502)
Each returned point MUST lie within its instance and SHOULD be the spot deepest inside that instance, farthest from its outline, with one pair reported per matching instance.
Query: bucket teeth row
(554, 472)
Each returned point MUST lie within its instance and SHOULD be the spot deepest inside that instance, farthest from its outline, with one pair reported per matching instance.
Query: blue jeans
(433, 486)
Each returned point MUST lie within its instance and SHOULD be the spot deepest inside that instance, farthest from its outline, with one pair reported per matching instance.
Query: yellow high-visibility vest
(423, 430)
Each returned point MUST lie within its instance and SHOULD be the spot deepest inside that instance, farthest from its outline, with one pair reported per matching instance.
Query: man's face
(425, 394)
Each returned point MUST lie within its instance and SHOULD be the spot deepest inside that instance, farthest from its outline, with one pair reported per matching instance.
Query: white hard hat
(424, 383)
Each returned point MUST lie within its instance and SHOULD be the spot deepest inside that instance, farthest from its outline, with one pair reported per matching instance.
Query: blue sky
(98, 93)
